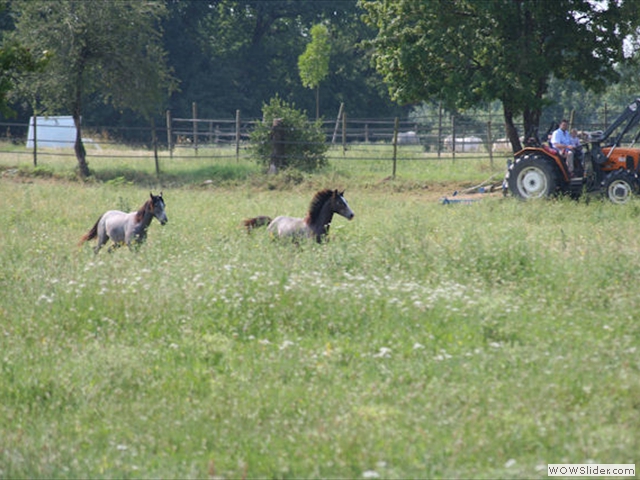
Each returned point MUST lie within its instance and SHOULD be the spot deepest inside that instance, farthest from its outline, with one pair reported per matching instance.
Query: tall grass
(424, 340)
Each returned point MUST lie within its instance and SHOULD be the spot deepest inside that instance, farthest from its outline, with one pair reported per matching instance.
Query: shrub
(304, 141)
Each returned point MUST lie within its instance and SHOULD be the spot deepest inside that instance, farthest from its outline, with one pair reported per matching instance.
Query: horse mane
(140, 213)
(319, 199)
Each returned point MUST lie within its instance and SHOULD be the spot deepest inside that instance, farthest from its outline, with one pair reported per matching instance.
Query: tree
(313, 64)
(466, 52)
(106, 49)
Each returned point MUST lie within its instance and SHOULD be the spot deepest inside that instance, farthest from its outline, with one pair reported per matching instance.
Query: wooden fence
(443, 136)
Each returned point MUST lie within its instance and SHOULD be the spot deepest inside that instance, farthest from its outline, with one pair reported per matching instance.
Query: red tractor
(605, 166)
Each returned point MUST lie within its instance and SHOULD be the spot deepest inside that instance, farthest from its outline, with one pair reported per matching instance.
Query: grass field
(480, 340)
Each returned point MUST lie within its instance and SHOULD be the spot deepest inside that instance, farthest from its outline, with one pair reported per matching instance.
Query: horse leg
(131, 241)
(114, 247)
(102, 239)
(135, 237)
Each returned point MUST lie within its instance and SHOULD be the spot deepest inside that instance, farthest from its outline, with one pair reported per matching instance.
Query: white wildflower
(384, 352)
(285, 344)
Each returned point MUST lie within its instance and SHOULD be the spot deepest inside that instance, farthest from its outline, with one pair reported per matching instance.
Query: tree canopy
(466, 52)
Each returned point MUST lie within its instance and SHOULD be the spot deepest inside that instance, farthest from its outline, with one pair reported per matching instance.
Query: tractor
(605, 166)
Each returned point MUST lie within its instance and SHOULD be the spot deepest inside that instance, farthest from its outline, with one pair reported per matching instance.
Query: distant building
(52, 132)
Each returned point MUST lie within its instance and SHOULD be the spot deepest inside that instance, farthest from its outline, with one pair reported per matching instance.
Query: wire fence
(418, 138)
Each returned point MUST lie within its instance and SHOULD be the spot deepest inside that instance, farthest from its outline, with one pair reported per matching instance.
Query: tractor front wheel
(532, 176)
(620, 186)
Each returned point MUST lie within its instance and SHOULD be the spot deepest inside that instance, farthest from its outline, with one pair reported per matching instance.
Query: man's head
(564, 125)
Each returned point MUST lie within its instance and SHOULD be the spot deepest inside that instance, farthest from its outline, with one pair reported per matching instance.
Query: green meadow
(480, 340)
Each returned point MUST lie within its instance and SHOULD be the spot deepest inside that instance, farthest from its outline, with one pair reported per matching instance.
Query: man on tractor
(561, 140)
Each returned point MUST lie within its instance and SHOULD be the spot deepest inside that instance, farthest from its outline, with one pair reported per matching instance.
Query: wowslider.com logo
(591, 469)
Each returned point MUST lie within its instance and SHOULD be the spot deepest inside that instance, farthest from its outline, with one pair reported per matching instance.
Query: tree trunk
(531, 119)
(510, 128)
(81, 154)
(76, 109)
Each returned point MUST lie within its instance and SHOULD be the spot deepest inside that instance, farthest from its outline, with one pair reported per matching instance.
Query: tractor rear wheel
(533, 176)
(619, 186)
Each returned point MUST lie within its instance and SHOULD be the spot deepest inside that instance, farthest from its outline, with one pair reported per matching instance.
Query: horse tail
(251, 223)
(91, 234)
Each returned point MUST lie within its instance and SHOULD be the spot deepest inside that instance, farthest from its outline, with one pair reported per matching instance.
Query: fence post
(344, 133)
(237, 135)
(35, 138)
(395, 146)
(194, 116)
(335, 130)
(453, 138)
(169, 134)
(439, 128)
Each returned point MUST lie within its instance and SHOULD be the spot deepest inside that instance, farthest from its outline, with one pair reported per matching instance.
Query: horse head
(340, 206)
(157, 208)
